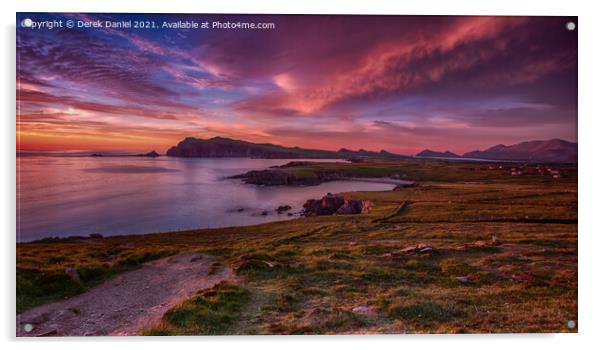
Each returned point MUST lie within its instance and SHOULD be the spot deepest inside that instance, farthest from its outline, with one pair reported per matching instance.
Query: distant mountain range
(224, 147)
(548, 151)
(427, 153)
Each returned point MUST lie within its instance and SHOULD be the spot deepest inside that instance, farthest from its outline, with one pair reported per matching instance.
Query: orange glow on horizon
(49, 142)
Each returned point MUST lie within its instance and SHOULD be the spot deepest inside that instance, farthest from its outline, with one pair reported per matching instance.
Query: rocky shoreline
(330, 204)
(275, 177)
(281, 176)
(278, 177)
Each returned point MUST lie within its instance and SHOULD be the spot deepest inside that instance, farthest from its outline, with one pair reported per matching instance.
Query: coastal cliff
(223, 147)
(219, 147)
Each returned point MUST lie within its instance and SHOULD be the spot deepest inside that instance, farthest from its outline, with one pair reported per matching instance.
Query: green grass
(36, 288)
(39, 282)
(342, 321)
(426, 312)
(211, 312)
(456, 267)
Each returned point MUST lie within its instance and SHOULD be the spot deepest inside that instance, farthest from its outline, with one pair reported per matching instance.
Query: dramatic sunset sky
(401, 84)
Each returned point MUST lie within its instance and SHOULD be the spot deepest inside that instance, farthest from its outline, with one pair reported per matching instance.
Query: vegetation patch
(36, 287)
(455, 267)
(211, 312)
(425, 312)
(59, 278)
(389, 275)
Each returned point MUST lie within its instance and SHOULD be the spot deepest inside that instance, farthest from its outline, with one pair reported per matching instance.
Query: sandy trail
(128, 303)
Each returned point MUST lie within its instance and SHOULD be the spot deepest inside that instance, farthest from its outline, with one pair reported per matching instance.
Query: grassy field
(346, 274)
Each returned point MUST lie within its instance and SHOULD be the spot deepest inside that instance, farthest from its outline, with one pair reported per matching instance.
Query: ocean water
(65, 196)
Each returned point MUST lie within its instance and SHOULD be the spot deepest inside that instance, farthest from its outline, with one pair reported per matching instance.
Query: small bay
(66, 196)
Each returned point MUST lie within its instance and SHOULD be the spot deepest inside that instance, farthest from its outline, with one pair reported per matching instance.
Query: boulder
(196, 257)
(364, 310)
(281, 209)
(495, 241)
(405, 185)
(336, 204)
(426, 250)
(418, 249)
(354, 207)
(465, 279)
(481, 243)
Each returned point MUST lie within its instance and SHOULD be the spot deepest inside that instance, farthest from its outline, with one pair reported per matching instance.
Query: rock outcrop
(152, 154)
(283, 208)
(336, 204)
(418, 249)
(405, 185)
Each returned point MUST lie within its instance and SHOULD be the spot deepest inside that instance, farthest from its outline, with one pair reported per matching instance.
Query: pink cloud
(404, 65)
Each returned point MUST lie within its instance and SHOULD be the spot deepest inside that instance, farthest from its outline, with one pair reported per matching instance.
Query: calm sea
(65, 196)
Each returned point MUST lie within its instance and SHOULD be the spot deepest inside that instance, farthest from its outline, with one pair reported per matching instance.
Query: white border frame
(590, 56)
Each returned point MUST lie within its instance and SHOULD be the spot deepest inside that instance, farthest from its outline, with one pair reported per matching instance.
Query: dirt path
(126, 304)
